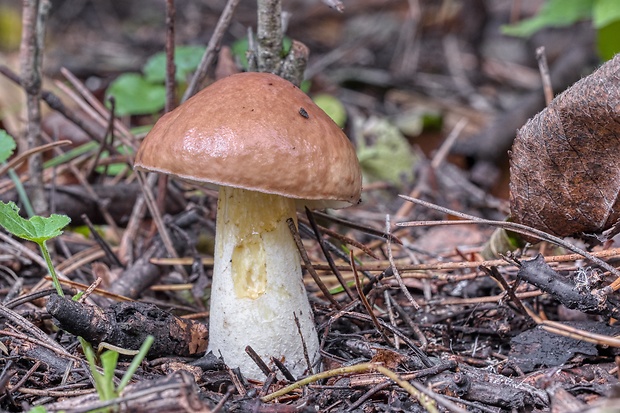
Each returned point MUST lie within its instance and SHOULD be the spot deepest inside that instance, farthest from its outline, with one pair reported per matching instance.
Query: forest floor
(438, 321)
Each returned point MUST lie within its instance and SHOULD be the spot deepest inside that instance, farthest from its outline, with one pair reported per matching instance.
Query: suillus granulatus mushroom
(270, 150)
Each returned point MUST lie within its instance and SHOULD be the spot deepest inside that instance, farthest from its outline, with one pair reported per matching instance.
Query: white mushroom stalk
(257, 289)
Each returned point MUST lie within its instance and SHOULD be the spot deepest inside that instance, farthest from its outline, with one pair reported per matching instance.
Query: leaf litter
(470, 347)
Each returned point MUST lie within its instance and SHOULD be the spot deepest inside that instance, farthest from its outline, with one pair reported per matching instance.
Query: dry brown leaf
(565, 164)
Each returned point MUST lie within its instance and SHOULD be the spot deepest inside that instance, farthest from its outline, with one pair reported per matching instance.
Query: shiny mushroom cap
(259, 132)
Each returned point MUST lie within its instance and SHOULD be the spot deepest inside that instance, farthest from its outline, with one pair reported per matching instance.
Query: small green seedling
(36, 229)
(384, 153)
(39, 229)
(104, 382)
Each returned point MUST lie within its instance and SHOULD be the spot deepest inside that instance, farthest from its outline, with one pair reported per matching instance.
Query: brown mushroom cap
(259, 132)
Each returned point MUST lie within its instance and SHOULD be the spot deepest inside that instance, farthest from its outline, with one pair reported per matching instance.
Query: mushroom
(270, 149)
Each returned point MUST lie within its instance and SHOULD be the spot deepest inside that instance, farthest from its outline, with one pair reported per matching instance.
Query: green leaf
(135, 96)
(333, 107)
(607, 43)
(605, 12)
(108, 362)
(135, 363)
(71, 154)
(7, 145)
(239, 49)
(36, 229)
(384, 153)
(100, 384)
(186, 59)
(38, 409)
(554, 13)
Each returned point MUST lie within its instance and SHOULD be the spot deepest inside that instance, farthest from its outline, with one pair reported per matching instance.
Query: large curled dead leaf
(565, 165)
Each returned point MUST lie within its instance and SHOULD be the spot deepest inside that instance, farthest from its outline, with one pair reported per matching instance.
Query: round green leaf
(186, 59)
(333, 107)
(135, 96)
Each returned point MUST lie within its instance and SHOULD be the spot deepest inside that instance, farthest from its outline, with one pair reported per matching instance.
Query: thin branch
(159, 222)
(365, 303)
(31, 55)
(214, 45)
(521, 229)
(335, 4)
(308, 264)
(544, 74)
(401, 283)
(327, 255)
(269, 35)
(294, 64)
(170, 66)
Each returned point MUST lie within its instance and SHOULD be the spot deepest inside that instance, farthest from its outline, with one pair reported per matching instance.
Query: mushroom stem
(257, 285)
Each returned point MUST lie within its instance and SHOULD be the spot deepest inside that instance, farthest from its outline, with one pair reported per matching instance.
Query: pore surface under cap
(255, 131)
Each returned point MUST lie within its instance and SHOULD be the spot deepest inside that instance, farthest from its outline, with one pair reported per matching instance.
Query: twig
(390, 311)
(521, 229)
(170, 66)
(22, 156)
(578, 334)
(159, 222)
(303, 344)
(31, 255)
(56, 104)
(212, 47)
(445, 147)
(335, 4)
(404, 337)
(93, 195)
(541, 58)
(31, 56)
(494, 273)
(362, 228)
(308, 264)
(285, 371)
(327, 254)
(258, 360)
(294, 64)
(223, 400)
(399, 279)
(363, 367)
(109, 132)
(436, 266)
(35, 334)
(137, 214)
(162, 181)
(269, 35)
(95, 108)
(365, 303)
(404, 315)
(102, 242)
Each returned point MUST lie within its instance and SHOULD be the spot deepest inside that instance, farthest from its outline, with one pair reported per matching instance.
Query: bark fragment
(127, 324)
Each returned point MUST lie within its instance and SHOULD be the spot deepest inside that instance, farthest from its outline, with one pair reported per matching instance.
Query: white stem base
(257, 286)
